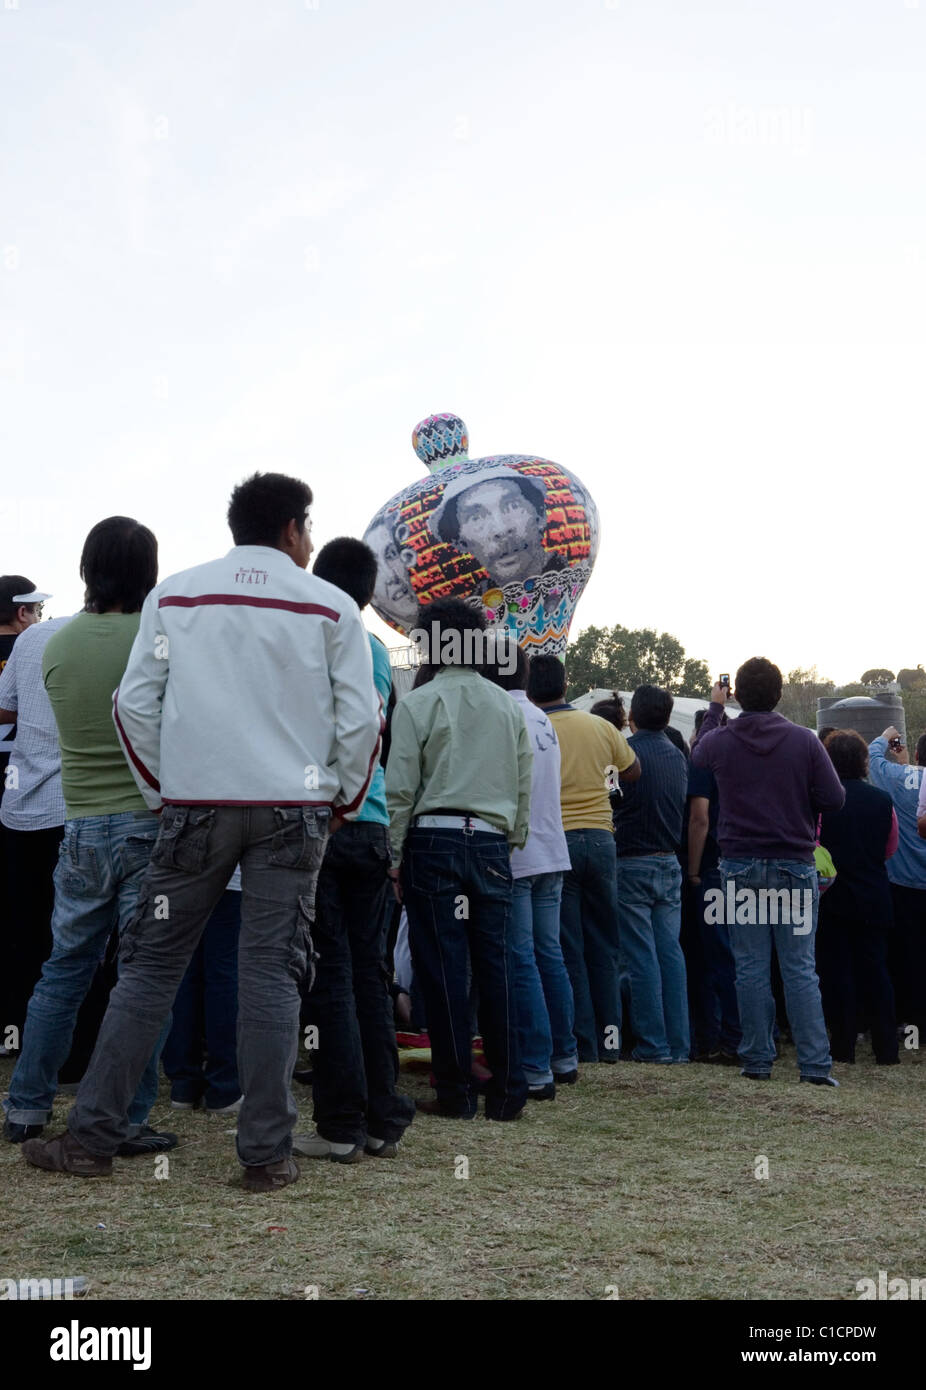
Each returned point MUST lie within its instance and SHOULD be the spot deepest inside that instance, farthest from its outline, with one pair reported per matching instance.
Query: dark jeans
(280, 850)
(715, 1023)
(29, 859)
(458, 889)
(356, 1065)
(589, 938)
(206, 1009)
(855, 984)
(908, 954)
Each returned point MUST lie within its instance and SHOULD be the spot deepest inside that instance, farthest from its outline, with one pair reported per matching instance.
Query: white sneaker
(314, 1146)
(186, 1105)
(226, 1109)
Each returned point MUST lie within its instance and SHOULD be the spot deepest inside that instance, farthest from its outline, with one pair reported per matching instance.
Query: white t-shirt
(33, 799)
(921, 804)
(546, 851)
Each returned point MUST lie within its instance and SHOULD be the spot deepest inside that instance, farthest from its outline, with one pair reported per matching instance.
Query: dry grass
(640, 1177)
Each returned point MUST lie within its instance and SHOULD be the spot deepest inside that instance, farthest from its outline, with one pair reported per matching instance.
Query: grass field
(639, 1177)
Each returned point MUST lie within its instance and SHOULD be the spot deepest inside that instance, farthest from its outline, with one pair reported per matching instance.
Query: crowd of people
(221, 833)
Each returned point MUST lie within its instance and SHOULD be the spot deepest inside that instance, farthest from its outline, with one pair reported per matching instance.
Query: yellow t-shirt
(589, 746)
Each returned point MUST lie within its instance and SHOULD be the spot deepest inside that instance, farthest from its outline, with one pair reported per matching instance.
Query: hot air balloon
(514, 534)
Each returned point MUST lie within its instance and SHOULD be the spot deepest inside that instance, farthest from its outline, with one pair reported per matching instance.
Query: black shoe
(18, 1133)
(821, 1080)
(888, 1061)
(566, 1078)
(434, 1107)
(303, 1077)
(547, 1092)
(147, 1141)
(761, 1075)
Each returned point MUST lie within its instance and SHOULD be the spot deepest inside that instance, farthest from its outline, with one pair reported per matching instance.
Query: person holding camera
(892, 772)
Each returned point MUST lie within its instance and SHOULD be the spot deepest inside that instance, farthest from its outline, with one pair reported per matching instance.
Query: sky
(676, 246)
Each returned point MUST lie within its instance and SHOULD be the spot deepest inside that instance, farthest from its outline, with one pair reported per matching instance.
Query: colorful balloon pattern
(512, 533)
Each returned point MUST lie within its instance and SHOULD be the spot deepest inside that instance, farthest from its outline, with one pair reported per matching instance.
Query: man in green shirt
(108, 834)
(458, 786)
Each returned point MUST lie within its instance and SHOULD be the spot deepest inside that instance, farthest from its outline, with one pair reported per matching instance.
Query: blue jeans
(457, 892)
(752, 950)
(588, 935)
(206, 1009)
(101, 864)
(544, 994)
(649, 889)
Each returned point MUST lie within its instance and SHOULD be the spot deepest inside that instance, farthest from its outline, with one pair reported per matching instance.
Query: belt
(465, 823)
(648, 854)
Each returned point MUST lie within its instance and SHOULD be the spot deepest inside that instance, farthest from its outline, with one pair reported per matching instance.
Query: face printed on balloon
(501, 522)
(393, 596)
(513, 534)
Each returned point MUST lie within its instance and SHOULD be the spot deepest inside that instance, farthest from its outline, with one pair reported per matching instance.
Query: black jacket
(857, 838)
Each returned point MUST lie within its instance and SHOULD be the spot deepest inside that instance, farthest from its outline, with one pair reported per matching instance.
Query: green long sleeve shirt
(459, 743)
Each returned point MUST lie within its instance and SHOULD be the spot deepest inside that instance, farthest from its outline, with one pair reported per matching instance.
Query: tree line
(621, 658)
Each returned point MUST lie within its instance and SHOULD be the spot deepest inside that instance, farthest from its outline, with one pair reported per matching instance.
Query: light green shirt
(459, 743)
(82, 665)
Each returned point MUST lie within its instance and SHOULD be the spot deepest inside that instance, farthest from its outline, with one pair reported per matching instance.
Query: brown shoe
(268, 1177)
(64, 1154)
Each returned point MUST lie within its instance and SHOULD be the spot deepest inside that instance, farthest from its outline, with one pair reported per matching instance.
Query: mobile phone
(725, 680)
(895, 743)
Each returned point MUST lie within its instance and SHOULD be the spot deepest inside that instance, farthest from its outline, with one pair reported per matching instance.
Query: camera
(725, 680)
(895, 744)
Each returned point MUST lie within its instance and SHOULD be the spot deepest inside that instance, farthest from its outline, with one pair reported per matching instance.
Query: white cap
(34, 597)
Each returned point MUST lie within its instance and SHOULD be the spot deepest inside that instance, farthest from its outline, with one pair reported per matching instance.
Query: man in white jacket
(248, 713)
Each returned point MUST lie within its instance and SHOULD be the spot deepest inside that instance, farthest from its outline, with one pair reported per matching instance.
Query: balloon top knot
(439, 439)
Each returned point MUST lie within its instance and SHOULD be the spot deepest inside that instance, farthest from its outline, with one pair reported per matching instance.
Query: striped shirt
(648, 819)
(33, 799)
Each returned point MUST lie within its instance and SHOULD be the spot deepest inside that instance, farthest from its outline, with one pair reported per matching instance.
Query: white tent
(683, 709)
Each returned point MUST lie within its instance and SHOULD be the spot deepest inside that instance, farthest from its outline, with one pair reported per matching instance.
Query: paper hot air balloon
(514, 534)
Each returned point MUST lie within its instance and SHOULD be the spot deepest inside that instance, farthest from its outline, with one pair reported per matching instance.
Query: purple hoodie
(774, 778)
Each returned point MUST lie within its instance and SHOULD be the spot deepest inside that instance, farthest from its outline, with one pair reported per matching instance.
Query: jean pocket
(183, 839)
(803, 893)
(135, 851)
(127, 938)
(78, 873)
(300, 837)
(303, 957)
(736, 868)
(381, 851)
(495, 862)
(431, 870)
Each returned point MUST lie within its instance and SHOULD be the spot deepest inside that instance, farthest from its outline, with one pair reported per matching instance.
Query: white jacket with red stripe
(250, 683)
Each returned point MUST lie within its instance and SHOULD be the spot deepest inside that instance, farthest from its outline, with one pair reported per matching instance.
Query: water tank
(868, 715)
